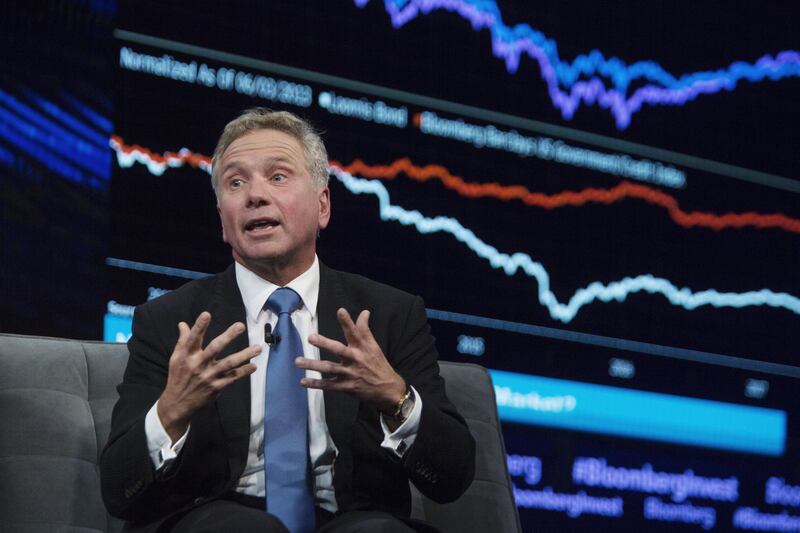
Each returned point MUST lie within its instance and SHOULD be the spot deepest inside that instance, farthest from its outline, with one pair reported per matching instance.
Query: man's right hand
(196, 376)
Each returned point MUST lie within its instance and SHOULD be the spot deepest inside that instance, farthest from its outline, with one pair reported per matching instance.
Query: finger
(222, 340)
(233, 375)
(198, 331)
(323, 367)
(362, 325)
(325, 384)
(363, 319)
(348, 327)
(181, 350)
(183, 335)
(333, 346)
(236, 360)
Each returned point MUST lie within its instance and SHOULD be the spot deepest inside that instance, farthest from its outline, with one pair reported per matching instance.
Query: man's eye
(279, 177)
(235, 183)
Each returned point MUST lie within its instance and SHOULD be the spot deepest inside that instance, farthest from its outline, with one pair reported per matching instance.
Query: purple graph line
(509, 44)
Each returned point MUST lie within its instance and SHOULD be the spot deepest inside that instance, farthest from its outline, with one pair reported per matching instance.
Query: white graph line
(510, 264)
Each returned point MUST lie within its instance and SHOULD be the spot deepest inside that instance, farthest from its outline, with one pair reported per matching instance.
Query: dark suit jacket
(440, 463)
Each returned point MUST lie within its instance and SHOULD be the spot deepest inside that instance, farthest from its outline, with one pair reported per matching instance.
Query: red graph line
(193, 159)
(617, 193)
(506, 193)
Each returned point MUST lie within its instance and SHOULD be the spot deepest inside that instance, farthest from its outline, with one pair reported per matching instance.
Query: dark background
(67, 204)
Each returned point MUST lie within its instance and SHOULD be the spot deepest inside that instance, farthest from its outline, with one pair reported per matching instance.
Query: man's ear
(219, 212)
(324, 208)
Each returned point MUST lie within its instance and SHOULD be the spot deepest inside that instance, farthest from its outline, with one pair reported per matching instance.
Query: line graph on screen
(624, 190)
(508, 263)
(593, 79)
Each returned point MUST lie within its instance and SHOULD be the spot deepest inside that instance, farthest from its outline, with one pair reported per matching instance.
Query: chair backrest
(56, 397)
(488, 504)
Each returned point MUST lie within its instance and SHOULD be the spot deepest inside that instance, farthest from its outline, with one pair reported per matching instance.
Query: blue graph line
(511, 263)
(486, 13)
(509, 43)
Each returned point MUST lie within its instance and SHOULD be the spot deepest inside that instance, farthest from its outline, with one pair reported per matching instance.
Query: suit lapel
(233, 403)
(340, 408)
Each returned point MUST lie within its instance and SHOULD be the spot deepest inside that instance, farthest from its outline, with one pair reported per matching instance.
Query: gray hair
(260, 118)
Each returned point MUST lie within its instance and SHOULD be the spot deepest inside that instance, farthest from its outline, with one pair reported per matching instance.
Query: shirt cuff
(162, 450)
(401, 439)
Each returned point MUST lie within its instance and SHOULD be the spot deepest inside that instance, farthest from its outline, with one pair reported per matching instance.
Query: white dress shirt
(322, 450)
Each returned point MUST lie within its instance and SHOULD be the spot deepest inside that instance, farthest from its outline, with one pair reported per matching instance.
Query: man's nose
(258, 193)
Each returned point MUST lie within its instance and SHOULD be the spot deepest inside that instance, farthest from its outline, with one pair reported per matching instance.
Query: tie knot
(283, 300)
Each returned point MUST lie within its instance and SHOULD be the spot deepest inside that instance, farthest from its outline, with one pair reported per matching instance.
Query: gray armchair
(56, 397)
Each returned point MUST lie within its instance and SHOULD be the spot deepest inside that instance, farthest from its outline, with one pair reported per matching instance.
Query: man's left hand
(363, 370)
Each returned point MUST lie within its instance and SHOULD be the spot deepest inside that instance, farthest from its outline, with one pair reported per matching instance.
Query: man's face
(269, 206)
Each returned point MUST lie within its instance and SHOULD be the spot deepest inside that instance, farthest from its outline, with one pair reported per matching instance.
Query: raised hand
(195, 375)
(363, 370)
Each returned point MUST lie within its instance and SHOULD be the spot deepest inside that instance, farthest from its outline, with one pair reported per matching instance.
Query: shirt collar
(255, 289)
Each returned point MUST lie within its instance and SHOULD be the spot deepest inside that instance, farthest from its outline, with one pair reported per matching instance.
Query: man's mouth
(260, 224)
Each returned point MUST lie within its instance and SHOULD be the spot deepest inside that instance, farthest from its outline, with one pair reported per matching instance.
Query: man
(214, 431)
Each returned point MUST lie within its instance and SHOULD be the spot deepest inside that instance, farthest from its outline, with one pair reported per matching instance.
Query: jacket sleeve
(441, 462)
(131, 487)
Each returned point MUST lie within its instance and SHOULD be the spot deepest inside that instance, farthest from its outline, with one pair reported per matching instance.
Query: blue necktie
(286, 465)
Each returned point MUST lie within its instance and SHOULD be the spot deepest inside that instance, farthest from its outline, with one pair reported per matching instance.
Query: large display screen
(599, 203)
